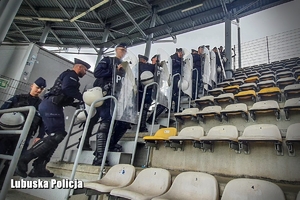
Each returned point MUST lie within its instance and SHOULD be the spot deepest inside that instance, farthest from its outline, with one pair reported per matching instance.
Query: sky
(272, 21)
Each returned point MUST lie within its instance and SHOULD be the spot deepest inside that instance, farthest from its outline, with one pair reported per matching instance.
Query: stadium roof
(72, 24)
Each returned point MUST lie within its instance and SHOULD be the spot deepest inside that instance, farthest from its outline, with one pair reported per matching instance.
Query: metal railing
(92, 109)
(197, 78)
(140, 119)
(171, 94)
(15, 158)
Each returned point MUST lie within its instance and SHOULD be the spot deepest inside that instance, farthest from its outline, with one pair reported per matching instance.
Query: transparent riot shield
(186, 72)
(125, 89)
(162, 77)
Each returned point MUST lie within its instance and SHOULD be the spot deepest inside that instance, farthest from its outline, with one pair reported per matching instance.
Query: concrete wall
(262, 162)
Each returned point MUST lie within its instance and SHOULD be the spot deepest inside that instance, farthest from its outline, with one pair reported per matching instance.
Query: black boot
(86, 145)
(100, 143)
(159, 109)
(143, 126)
(119, 130)
(39, 169)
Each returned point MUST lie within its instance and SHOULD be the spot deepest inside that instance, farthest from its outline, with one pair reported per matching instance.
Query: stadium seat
(162, 134)
(291, 105)
(285, 70)
(253, 79)
(266, 84)
(252, 189)
(275, 68)
(297, 73)
(210, 111)
(228, 79)
(215, 92)
(228, 133)
(298, 196)
(227, 97)
(188, 113)
(292, 136)
(223, 84)
(268, 92)
(284, 74)
(232, 89)
(261, 132)
(149, 183)
(235, 109)
(249, 94)
(298, 79)
(267, 77)
(237, 82)
(294, 69)
(263, 71)
(205, 101)
(240, 76)
(265, 107)
(191, 133)
(291, 89)
(266, 72)
(248, 86)
(118, 176)
(253, 74)
(191, 186)
(281, 83)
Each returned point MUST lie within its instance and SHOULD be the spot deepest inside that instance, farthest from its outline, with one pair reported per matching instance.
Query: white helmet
(184, 84)
(92, 95)
(147, 77)
(82, 116)
(12, 121)
(219, 70)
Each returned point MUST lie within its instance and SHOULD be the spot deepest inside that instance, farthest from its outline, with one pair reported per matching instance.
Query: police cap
(179, 50)
(143, 57)
(194, 50)
(122, 45)
(78, 61)
(156, 55)
(40, 82)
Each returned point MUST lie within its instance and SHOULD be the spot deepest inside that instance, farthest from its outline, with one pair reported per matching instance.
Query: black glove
(78, 105)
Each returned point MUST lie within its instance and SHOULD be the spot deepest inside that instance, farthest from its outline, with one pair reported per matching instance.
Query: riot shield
(206, 74)
(186, 72)
(125, 89)
(162, 77)
(213, 68)
(223, 70)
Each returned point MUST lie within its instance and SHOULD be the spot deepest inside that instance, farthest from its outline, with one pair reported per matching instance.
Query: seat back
(188, 111)
(225, 131)
(166, 132)
(121, 175)
(263, 105)
(192, 131)
(253, 189)
(152, 181)
(194, 185)
(261, 132)
(293, 133)
(236, 107)
(211, 109)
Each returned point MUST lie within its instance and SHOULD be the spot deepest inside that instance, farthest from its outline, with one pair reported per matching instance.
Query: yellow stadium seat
(253, 79)
(232, 89)
(298, 79)
(249, 94)
(267, 92)
(162, 134)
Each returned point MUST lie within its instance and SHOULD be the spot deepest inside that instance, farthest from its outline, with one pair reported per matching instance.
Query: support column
(104, 39)
(2, 6)
(239, 44)
(150, 37)
(228, 65)
(8, 15)
(45, 33)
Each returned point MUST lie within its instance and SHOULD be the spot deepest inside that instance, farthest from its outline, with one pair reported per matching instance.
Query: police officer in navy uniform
(104, 73)
(197, 60)
(144, 66)
(176, 68)
(63, 93)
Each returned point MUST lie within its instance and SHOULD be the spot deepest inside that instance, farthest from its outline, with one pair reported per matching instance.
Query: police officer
(196, 65)
(63, 93)
(176, 68)
(143, 67)
(8, 144)
(104, 73)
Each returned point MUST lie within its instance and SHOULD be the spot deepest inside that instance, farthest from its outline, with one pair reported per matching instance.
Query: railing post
(170, 100)
(268, 51)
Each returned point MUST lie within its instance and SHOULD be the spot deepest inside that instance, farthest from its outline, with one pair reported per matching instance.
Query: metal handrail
(140, 119)
(92, 108)
(197, 77)
(170, 97)
(20, 144)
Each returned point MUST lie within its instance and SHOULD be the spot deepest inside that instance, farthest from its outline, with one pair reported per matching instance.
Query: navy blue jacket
(70, 84)
(176, 64)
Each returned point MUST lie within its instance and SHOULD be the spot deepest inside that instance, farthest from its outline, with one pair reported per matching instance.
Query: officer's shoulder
(105, 60)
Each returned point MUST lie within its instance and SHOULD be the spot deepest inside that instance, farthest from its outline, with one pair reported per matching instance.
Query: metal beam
(25, 30)
(228, 64)
(24, 36)
(104, 39)
(75, 24)
(134, 3)
(37, 14)
(150, 37)
(223, 4)
(45, 33)
(245, 8)
(239, 45)
(7, 16)
(138, 24)
(130, 18)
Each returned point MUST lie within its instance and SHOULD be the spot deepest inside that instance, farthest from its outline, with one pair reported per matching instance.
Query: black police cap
(193, 50)
(78, 61)
(179, 50)
(123, 45)
(143, 57)
(40, 82)
(156, 55)
(201, 47)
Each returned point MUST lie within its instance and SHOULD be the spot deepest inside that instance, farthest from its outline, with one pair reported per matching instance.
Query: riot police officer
(104, 73)
(63, 93)
(176, 68)
(147, 69)
(197, 60)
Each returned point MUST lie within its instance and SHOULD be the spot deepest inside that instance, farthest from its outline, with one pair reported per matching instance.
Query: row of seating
(155, 184)
(216, 111)
(227, 133)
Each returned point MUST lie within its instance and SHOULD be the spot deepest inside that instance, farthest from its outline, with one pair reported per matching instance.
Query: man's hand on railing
(78, 105)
